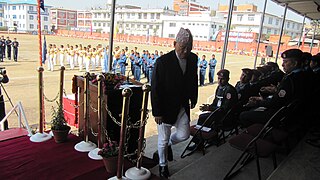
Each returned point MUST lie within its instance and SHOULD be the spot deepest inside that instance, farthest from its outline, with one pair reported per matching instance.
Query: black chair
(220, 130)
(255, 146)
(200, 135)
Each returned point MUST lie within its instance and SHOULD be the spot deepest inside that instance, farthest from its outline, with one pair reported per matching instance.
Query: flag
(44, 50)
(42, 4)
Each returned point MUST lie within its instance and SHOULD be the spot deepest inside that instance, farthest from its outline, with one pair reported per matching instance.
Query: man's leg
(182, 128)
(164, 131)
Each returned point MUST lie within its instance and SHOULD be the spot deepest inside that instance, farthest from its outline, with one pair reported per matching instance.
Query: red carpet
(22, 159)
(12, 133)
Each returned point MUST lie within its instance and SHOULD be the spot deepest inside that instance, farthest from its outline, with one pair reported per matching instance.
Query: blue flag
(42, 4)
(44, 50)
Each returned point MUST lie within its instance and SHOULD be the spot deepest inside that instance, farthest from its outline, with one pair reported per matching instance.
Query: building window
(128, 15)
(19, 9)
(293, 25)
(31, 26)
(171, 36)
(104, 24)
(288, 25)
(31, 17)
(45, 27)
(30, 8)
(23, 17)
(277, 22)
(158, 16)
(275, 31)
(251, 17)
(1, 24)
(298, 26)
(127, 25)
(270, 20)
(172, 24)
(19, 16)
(132, 14)
(95, 15)
(152, 15)
(239, 17)
(150, 26)
(268, 31)
(144, 26)
(213, 26)
(14, 7)
(145, 15)
(45, 18)
(95, 24)
(1, 15)
(157, 27)
(139, 16)
(132, 25)
(1, 7)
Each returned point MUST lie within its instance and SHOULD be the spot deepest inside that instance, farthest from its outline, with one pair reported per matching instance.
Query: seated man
(292, 87)
(243, 86)
(226, 98)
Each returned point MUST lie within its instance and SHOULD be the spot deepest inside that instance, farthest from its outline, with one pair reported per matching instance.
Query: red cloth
(22, 159)
(69, 110)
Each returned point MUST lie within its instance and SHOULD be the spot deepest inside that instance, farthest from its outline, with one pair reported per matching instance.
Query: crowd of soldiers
(7, 44)
(90, 58)
(263, 91)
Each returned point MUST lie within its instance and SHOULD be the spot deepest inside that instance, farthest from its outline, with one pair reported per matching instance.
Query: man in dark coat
(8, 44)
(174, 91)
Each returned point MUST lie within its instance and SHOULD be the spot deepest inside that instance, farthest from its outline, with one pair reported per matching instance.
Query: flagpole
(39, 33)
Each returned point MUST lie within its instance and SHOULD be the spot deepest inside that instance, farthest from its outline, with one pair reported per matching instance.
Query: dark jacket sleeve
(230, 98)
(194, 81)
(156, 91)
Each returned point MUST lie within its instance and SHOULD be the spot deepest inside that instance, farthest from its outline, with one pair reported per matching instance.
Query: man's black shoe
(195, 147)
(164, 171)
(170, 154)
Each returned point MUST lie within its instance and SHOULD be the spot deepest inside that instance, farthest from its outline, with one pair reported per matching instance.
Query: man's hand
(269, 89)
(192, 106)
(253, 101)
(158, 119)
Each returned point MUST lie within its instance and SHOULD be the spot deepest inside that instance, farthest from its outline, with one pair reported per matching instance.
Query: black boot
(164, 171)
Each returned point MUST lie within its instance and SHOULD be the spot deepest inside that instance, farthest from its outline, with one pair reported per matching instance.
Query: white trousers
(165, 137)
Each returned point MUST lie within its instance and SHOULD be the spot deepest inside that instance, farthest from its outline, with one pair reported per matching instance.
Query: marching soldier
(137, 61)
(8, 44)
(61, 52)
(150, 65)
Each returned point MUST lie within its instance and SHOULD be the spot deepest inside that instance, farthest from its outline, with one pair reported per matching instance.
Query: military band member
(93, 59)
(88, 59)
(81, 52)
(55, 54)
(71, 53)
(51, 56)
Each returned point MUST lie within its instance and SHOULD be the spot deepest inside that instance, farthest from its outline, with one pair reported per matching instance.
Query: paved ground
(23, 85)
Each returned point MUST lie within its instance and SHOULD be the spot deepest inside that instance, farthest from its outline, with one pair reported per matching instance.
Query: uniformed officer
(15, 45)
(292, 87)
(243, 86)
(225, 98)
(122, 62)
(150, 65)
(212, 66)
(8, 44)
(203, 66)
(137, 63)
(2, 46)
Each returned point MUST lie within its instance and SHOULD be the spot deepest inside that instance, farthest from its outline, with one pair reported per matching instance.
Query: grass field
(23, 85)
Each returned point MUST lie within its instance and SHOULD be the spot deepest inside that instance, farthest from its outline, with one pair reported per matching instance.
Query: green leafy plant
(109, 149)
(58, 121)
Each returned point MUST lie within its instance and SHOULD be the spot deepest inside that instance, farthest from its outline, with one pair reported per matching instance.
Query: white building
(2, 5)
(131, 20)
(23, 15)
(249, 21)
(203, 28)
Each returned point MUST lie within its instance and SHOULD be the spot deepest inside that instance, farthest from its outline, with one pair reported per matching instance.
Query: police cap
(292, 54)
(316, 58)
(224, 73)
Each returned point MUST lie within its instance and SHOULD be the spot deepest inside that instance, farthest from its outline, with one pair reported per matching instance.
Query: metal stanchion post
(126, 93)
(61, 85)
(40, 136)
(93, 154)
(139, 172)
(86, 145)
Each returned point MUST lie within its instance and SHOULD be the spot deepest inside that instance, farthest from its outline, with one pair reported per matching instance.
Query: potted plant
(109, 152)
(59, 126)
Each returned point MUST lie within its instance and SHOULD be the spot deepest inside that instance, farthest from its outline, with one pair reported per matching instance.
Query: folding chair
(255, 146)
(277, 133)
(199, 135)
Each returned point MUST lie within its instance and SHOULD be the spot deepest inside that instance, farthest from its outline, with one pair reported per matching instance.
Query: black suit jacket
(172, 90)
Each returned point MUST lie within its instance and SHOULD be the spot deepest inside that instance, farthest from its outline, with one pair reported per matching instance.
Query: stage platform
(22, 159)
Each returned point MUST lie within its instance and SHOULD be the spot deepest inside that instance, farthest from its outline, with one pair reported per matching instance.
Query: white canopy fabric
(309, 8)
